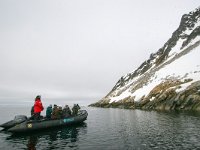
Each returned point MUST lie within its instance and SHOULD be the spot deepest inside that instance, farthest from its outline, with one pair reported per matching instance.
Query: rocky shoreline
(162, 97)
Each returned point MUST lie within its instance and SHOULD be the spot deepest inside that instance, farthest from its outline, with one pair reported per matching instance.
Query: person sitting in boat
(54, 107)
(75, 109)
(57, 112)
(38, 107)
(49, 112)
(60, 112)
(66, 112)
(54, 111)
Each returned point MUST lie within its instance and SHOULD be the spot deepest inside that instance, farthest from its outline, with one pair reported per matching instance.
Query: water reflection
(66, 137)
(32, 143)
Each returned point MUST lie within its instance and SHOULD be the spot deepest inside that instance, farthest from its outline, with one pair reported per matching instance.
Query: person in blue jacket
(49, 112)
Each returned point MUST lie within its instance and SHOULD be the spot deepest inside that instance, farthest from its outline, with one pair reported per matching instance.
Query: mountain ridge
(129, 91)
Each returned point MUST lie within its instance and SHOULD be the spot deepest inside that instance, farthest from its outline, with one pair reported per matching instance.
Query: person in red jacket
(38, 107)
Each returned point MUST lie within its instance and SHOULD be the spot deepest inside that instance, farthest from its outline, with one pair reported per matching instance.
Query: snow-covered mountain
(169, 79)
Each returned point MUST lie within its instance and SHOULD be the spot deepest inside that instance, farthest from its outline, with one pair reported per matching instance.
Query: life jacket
(38, 107)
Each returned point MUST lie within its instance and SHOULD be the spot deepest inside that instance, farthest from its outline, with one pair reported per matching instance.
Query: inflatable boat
(25, 125)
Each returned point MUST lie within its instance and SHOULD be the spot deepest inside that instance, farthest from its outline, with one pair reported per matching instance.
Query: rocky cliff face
(169, 79)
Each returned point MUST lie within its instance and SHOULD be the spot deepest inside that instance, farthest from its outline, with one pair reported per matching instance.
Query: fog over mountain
(75, 51)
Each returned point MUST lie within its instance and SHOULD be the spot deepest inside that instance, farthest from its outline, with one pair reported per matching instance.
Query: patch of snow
(183, 65)
(126, 77)
(130, 82)
(177, 48)
(153, 62)
(183, 87)
(193, 41)
(120, 97)
(144, 90)
(152, 98)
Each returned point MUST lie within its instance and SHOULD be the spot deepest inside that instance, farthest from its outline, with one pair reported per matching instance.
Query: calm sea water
(110, 129)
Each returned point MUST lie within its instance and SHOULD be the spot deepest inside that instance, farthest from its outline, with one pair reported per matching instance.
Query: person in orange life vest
(38, 107)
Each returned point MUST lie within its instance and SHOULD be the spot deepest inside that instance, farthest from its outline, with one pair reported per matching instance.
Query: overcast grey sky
(78, 49)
